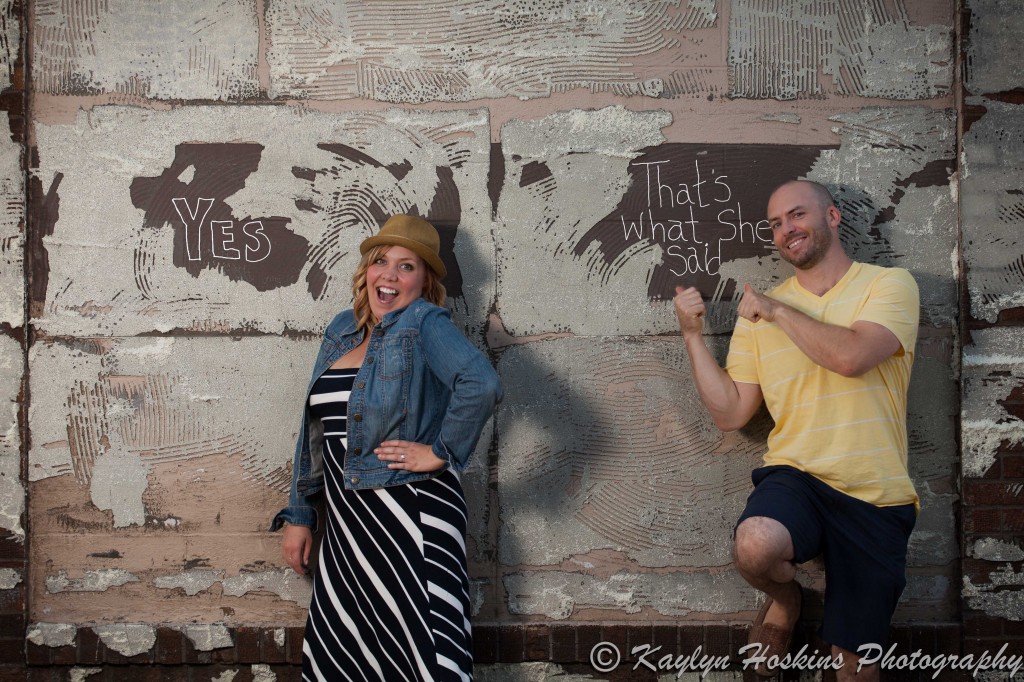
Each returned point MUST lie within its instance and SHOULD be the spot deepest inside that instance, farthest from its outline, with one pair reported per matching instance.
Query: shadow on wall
(610, 495)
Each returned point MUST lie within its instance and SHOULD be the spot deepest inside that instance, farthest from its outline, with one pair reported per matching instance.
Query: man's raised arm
(849, 351)
(731, 403)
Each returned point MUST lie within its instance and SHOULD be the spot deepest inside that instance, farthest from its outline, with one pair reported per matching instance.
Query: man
(830, 352)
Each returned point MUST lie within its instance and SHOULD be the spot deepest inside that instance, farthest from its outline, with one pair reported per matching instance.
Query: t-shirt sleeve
(894, 303)
(740, 363)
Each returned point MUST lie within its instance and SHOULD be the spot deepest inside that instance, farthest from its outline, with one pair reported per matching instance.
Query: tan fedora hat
(415, 234)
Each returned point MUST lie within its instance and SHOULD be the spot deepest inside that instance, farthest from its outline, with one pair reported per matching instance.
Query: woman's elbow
(493, 392)
(486, 390)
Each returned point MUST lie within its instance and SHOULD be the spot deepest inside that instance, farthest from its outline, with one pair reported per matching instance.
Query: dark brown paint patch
(703, 204)
(447, 205)
(208, 234)
(534, 171)
(109, 554)
(43, 213)
(934, 174)
(343, 151)
(495, 176)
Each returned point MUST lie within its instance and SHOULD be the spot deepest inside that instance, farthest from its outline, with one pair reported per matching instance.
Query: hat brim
(429, 257)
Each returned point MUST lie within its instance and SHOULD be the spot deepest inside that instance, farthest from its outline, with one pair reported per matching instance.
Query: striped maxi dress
(391, 593)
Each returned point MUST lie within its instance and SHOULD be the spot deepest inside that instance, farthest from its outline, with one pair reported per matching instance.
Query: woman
(393, 412)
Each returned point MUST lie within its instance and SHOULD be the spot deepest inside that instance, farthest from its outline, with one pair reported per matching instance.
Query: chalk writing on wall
(703, 205)
(691, 247)
(191, 197)
(221, 235)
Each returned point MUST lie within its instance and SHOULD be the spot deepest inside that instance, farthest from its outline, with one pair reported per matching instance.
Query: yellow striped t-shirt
(850, 432)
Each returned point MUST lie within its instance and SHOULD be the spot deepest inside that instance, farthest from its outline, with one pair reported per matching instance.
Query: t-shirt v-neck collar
(850, 273)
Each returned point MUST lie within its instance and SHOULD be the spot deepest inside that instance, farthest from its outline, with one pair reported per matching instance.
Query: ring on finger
(403, 458)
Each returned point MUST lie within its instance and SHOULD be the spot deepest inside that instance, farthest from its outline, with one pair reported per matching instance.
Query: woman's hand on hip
(296, 544)
(408, 456)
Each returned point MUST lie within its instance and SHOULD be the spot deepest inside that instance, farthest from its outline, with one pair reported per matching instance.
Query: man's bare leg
(763, 551)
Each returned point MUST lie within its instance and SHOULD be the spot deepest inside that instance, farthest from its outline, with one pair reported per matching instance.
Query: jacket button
(358, 417)
(357, 451)
(379, 332)
(370, 359)
(354, 479)
(360, 384)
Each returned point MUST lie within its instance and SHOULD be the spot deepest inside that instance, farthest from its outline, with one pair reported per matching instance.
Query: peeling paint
(208, 636)
(127, 639)
(99, 580)
(981, 439)
(998, 599)
(991, 549)
(284, 582)
(993, 368)
(226, 676)
(192, 582)
(79, 674)
(558, 594)
(261, 672)
(9, 578)
(52, 634)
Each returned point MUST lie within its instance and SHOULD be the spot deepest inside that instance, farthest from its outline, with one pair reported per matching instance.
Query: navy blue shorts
(864, 548)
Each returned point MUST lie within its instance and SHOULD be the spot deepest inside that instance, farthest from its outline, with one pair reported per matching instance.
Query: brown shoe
(774, 639)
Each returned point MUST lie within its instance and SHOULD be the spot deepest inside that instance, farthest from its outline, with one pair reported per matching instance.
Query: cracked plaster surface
(1002, 597)
(127, 639)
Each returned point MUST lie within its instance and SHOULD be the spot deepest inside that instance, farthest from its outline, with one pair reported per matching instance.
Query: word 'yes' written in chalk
(691, 245)
(222, 235)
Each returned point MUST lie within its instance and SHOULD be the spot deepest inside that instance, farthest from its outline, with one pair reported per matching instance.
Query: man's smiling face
(800, 225)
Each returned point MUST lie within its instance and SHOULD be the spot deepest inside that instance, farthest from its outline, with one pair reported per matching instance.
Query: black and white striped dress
(391, 594)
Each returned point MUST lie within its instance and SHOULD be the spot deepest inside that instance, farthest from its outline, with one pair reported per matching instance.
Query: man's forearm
(837, 349)
(714, 385)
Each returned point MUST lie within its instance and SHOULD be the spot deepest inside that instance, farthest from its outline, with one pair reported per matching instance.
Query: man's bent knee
(761, 543)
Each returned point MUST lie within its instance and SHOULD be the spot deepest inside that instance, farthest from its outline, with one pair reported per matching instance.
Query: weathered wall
(992, 214)
(14, 575)
(202, 175)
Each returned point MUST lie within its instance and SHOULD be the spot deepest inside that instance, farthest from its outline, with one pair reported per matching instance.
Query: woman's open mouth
(386, 294)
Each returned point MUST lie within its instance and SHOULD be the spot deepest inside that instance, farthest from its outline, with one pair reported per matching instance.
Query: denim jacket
(421, 381)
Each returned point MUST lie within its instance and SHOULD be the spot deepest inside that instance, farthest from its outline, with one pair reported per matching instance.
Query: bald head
(820, 193)
(804, 222)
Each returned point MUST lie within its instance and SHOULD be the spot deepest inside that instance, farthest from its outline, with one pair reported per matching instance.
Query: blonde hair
(433, 290)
